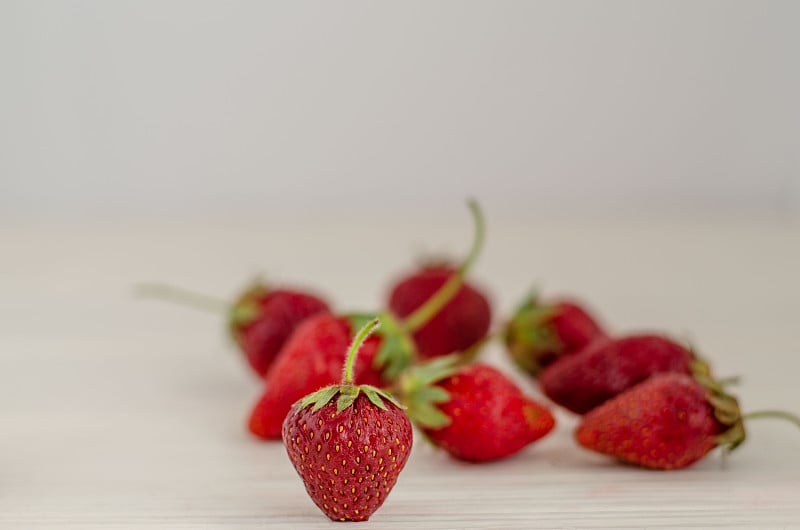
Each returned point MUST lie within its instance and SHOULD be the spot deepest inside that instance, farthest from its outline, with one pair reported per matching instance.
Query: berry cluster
(645, 399)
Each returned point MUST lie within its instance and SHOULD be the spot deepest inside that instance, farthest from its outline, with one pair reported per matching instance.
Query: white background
(115, 109)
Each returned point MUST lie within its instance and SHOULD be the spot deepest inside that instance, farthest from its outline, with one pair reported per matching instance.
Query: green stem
(423, 314)
(185, 297)
(778, 414)
(361, 336)
(728, 381)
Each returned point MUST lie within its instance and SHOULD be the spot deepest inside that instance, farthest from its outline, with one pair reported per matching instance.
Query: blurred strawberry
(311, 359)
(459, 326)
(608, 367)
(670, 421)
(541, 332)
(473, 412)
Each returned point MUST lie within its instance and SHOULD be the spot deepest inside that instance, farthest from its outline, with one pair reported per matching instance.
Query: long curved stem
(424, 313)
(361, 336)
(185, 297)
(777, 414)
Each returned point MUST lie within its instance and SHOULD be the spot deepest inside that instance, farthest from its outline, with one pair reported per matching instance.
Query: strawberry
(348, 443)
(665, 422)
(312, 356)
(539, 333)
(473, 412)
(669, 421)
(607, 367)
(459, 326)
(259, 321)
(262, 320)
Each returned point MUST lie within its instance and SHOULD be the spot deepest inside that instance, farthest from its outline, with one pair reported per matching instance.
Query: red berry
(460, 325)
(348, 444)
(349, 460)
(666, 422)
(475, 413)
(669, 421)
(607, 367)
(540, 333)
(312, 358)
(273, 316)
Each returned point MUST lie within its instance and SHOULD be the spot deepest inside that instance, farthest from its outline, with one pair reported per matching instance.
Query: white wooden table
(121, 413)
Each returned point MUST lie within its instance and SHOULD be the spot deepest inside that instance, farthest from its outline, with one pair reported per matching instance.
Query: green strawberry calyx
(725, 406)
(419, 392)
(347, 391)
(246, 309)
(396, 351)
(528, 336)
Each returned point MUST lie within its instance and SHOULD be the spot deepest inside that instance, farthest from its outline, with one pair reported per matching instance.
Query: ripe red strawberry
(607, 367)
(315, 352)
(259, 321)
(348, 443)
(459, 326)
(474, 412)
(669, 421)
(312, 358)
(263, 319)
(539, 333)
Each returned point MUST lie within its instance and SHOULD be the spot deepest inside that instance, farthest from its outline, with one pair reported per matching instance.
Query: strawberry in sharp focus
(314, 354)
(459, 326)
(541, 332)
(259, 321)
(609, 366)
(348, 443)
(473, 412)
